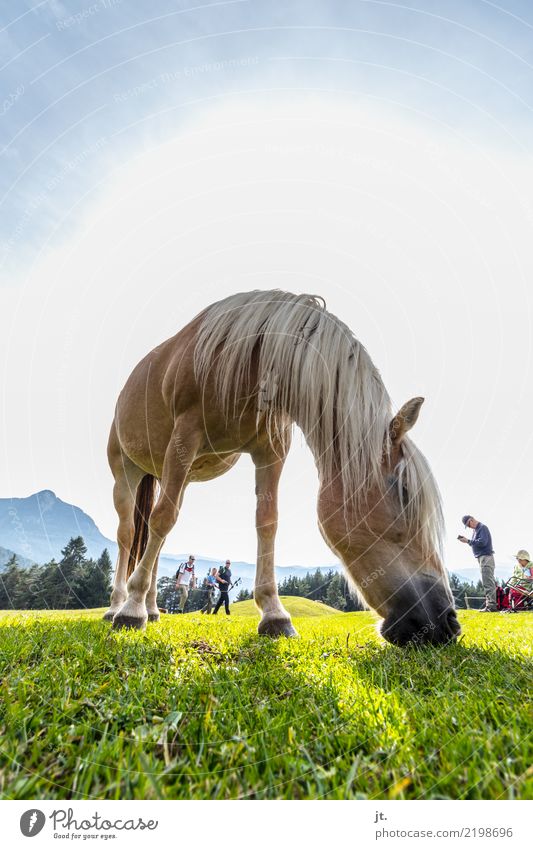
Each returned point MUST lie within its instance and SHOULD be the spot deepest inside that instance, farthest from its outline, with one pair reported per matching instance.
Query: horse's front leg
(179, 457)
(151, 597)
(275, 620)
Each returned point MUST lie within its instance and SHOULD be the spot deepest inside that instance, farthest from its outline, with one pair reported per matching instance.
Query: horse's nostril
(452, 622)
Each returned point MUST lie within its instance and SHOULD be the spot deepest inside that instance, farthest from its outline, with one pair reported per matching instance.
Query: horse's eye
(402, 493)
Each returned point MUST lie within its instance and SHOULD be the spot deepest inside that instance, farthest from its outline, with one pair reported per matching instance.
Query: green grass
(201, 707)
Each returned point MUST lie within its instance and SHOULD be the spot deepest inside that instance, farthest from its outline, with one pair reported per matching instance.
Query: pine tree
(9, 580)
(73, 553)
(70, 568)
(52, 585)
(31, 592)
(335, 594)
(166, 593)
(92, 581)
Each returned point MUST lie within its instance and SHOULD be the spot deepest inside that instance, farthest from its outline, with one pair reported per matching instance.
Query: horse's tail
(144, 503)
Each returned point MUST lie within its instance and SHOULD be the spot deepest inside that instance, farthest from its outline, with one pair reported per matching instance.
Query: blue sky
(157, 156)
(86, 84)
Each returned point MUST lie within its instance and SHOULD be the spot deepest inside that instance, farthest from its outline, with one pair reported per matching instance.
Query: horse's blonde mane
(312, 369)
(423, 510)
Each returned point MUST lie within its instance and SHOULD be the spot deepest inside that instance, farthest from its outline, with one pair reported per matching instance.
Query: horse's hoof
(277, 628)
(121, 620)
(154, 617)
(109, 615)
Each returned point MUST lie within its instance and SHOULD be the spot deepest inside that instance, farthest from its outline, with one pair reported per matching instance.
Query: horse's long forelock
(312, 369)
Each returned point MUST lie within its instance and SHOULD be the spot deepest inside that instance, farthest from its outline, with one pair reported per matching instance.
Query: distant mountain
(36, 528)
(6, 555)
(39, 526)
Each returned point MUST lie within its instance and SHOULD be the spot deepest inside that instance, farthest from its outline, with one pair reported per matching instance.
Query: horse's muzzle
(421, 626)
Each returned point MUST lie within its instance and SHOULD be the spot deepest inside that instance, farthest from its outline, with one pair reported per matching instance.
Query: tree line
(329, 587)
(76, 581)
(333, 589)
(461, 589)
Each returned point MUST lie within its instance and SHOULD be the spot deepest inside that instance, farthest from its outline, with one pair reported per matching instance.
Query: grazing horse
(234, 381)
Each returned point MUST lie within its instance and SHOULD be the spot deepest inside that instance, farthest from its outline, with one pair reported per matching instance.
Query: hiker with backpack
(224, 584)
(210, 585)
(185, 581)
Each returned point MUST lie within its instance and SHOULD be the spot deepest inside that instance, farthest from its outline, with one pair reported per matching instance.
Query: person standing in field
(223, 581)
(185, 581)
(481, 544)
(210, 586)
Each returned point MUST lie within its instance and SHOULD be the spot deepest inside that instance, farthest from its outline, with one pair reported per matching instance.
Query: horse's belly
(211, 466)
(148, 453)
(144, 431)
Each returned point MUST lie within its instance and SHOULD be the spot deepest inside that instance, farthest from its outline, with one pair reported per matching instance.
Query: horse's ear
(404, 420)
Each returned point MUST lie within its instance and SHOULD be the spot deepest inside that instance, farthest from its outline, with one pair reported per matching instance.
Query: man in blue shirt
(481, 544)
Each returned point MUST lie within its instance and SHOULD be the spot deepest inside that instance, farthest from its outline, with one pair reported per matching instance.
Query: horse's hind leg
(275, 620)
(151, 596)
(127, 479)
(133, 613)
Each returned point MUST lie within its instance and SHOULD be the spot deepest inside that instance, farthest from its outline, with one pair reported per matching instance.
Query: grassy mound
(295, 605)
(201, 707)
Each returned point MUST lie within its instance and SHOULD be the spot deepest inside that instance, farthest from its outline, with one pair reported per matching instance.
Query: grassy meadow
(201, 707)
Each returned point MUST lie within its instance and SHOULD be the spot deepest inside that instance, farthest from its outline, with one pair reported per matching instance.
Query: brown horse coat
(233, 381)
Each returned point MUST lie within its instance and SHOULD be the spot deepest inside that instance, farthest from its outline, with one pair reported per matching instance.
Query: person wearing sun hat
(522, 577)
(481, 545)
